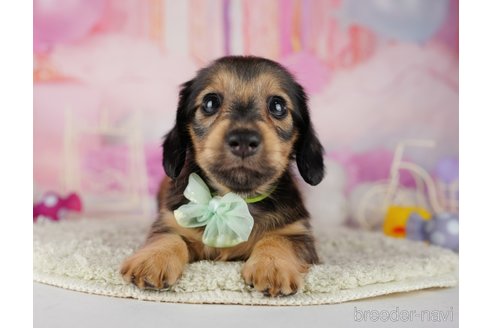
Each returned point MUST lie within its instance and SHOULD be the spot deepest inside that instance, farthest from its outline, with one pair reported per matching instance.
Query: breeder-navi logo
(398, 314)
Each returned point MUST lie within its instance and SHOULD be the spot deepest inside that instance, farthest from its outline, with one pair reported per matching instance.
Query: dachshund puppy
(240, 124)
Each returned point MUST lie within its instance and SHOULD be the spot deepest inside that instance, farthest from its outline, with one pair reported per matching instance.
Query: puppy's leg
(279, 261)
(159, 263)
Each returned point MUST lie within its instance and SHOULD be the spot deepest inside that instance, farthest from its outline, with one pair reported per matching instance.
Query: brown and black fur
(281, 246)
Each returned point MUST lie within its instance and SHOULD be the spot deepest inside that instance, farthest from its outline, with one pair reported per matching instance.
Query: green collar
(255, 199)
(260, 197)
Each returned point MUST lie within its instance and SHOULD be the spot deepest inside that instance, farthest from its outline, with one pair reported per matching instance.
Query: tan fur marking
(232, 88)
(158, 264)
(296, 228)
(207, 150)
(190, 234)
(273, 267)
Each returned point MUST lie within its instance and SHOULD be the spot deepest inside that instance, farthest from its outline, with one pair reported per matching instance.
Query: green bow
(226, 219)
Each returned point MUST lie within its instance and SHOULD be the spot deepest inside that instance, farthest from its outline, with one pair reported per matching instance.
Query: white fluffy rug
(85, 255)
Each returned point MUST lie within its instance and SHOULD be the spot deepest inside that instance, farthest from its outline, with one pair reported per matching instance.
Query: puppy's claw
(148, 284)
(272, 277)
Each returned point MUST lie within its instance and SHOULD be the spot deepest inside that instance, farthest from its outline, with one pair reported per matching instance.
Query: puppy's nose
(243, 143)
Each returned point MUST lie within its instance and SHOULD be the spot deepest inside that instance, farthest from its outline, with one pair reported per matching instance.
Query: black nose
(243, 143)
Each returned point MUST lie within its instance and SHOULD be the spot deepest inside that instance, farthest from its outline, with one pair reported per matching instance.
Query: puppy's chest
(279, 210)
(200, 251)
(236, 253)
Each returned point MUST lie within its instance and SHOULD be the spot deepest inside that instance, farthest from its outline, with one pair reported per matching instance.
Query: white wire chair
(435, 197)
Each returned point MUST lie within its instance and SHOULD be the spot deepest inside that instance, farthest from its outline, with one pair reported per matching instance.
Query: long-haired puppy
(240, 124)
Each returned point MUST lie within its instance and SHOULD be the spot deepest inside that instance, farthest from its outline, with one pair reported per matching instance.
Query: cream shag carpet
(85, 255)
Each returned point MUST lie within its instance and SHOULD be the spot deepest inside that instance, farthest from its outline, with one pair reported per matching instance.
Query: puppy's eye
(277, 107)
(211, 103)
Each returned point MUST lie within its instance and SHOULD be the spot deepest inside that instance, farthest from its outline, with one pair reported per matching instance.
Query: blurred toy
(447, 179)
(52, 206)
(397, 217)
(387, 193)
(374, 213)
(447, 169)
(413, 220)
(441, 230)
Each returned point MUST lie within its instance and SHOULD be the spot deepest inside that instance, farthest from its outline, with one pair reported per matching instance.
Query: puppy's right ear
(177, 140)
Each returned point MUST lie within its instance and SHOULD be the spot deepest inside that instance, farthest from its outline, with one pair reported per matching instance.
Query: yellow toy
(397, 217)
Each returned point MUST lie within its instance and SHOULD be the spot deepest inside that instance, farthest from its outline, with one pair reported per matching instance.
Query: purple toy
(52, 206)
(442, 230)
(447, 169)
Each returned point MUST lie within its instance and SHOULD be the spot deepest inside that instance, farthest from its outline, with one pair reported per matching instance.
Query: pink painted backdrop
(376, 71)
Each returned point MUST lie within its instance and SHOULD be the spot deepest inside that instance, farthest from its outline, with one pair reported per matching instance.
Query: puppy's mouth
(243, 179)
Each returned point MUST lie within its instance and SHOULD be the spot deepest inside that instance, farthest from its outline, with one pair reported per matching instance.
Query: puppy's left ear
(308, 149)
(177, 141)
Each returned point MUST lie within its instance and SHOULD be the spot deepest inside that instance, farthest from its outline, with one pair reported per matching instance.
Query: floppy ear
(309, 151)
(309, 157)
(177, 141)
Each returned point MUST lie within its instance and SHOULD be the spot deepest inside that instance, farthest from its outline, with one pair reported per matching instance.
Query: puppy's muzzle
(243, 142)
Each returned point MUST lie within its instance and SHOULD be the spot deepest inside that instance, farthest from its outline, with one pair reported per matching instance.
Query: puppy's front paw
(273, 276)
(154, 267)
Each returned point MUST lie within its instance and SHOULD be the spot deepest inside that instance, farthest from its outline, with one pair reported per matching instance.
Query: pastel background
(376, 71)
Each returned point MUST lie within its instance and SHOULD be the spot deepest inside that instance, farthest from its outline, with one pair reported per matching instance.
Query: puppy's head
(244, 119)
